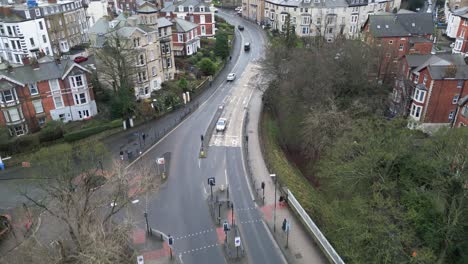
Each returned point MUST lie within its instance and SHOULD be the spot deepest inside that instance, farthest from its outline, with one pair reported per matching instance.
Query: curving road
(180, 207)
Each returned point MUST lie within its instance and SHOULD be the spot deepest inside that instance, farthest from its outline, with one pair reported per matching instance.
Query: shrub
(25, 143)
(84, 133)
(115, 123)
(53, 130)
(207, 66)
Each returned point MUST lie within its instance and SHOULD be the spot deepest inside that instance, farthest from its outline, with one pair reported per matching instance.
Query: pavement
(301, 248)
(181, 205)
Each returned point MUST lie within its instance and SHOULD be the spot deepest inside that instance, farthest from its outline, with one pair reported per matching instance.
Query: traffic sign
(237, 241)
(140, 260)
(160, 161)
(212, 181)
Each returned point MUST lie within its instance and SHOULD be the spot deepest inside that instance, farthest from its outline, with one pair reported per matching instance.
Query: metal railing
(319, 238)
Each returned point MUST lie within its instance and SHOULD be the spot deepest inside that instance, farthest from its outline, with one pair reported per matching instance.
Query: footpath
(299, 247)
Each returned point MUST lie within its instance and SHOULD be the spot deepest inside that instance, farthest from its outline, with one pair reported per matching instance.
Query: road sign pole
(237, 252)
(211, 187)
(232, 214)
(219, 214)
(263, 195)
(287, 238)
(147, 225)
(170, 251)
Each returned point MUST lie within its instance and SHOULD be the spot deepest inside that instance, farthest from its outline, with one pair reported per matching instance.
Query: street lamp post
(147, 224)
(274, 211)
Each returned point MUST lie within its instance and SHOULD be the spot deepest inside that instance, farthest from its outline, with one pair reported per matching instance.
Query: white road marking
(135, 201)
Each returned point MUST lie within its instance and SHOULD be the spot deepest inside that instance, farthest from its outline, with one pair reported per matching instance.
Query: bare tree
(85, 198)
(116, 61)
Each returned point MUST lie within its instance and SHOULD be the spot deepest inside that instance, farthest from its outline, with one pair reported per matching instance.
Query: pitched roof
(174, 7)
(438, 64)
(184, 25)
(440, 72)
(463, 100)
(100, 27)
(403, 24)
(46, 71)
(414, 60)
(147, 9)
(164, 22)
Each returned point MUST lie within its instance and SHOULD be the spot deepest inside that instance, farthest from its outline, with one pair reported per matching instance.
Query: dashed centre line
(195, 234)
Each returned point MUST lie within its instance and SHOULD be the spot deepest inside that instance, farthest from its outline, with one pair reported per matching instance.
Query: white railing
(319, 238)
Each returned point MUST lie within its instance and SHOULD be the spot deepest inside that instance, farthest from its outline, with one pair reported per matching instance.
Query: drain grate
(298, 256)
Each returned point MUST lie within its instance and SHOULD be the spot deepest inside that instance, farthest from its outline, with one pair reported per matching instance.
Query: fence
(319, 238)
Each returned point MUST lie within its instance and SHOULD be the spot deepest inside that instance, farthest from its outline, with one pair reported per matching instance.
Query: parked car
(238, 9)
(247, 46)
(239, 12)
(240, 27)
(221, 125)
(231, 77)
(80, 59)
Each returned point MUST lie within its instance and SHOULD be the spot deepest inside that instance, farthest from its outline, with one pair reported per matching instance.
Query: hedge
(84, 133)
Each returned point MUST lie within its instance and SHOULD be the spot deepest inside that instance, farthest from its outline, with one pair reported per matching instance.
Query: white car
(231, 77)
(238, 8)
(221, 125)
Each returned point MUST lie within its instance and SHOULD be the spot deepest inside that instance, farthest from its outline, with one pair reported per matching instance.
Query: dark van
(247, 46)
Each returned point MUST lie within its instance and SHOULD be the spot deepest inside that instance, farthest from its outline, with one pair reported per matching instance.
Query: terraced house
(326, 18)
(42, 90)
(150, 40)
(433, 91)
(195, 11)
(48, 27)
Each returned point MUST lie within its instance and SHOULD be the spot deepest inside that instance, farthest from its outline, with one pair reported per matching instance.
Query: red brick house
(195, 11)
(34, 93)
(461, 39)
(397, 35)
(185, 37)
(461, 115)
(430, 89)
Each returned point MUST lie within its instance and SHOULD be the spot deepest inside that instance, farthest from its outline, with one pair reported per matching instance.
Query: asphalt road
(180, 207)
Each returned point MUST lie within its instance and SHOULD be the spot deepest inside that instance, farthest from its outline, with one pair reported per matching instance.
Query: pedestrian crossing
(220, 140)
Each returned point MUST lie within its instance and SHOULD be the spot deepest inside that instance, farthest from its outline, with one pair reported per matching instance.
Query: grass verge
(277, 162)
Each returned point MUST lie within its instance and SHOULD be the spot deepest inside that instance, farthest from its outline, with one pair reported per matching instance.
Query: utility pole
(147, 225)
(263, 188)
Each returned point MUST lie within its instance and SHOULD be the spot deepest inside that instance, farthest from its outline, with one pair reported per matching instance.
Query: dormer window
(181, 8)
(202, 9)
(190, 9)
(38, 12)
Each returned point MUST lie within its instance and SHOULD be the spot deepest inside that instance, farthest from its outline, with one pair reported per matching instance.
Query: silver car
(221, 125)
(231, 77)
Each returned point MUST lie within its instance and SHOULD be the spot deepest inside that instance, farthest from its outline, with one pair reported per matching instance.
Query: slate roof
(46, 71)
(438, 65)
(100, 27)
(439, 72)
(463, 100)
(185, 4)
(399, 25)
(164, 22)
(311, 4)
(184, 25)
(414, 60)
(147, 9)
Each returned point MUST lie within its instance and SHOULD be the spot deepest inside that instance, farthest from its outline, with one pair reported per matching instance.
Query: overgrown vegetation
(379, 192)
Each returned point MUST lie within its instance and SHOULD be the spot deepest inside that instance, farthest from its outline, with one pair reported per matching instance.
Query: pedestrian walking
(230, 57)
(121, 155)
(144, 137)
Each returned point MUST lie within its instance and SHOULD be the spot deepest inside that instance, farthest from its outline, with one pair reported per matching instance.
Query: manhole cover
(298, 256)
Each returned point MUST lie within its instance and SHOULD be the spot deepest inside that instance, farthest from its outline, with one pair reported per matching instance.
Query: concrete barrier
(319, 238)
